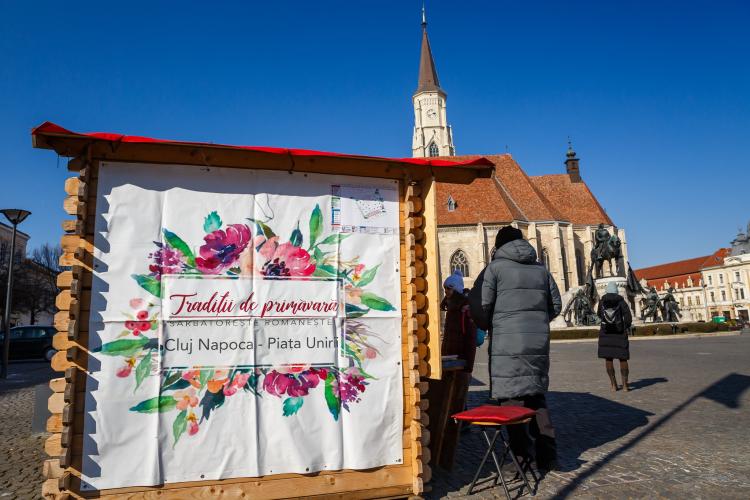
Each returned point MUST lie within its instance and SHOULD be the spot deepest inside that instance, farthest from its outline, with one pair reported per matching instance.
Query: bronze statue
(650, 308)
(670, 308)
(607, 247)
(580, 309)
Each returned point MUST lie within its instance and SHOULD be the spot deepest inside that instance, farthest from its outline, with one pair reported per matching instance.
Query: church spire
(432, 134)
(428, 79)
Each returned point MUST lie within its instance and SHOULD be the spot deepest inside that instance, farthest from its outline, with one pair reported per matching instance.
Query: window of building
(690, 301)
(545, 258)
(460, 262)
(713, 297)
(721, 279)
(698, 300)
(451, 204)
(742, 293)
(579, 267)
(433, 150)
(682, 304)
(737, 276)
(723, 295)
(710, 280)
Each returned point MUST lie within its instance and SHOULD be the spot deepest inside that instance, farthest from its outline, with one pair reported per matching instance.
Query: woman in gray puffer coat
(519, 298)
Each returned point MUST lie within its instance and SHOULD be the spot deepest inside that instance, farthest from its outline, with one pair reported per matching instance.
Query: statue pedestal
(622, 290)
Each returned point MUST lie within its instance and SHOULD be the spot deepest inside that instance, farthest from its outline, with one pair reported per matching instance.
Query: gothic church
(557, 213)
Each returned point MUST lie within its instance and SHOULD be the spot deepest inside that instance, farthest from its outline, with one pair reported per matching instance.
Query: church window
(433, 150)
(579, 266)
(545, 258)
(460, 262)
(452, 205)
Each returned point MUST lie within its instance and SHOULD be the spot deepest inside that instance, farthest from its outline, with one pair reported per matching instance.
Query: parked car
(31, 342)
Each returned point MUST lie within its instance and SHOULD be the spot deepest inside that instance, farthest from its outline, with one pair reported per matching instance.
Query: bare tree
(34, 281)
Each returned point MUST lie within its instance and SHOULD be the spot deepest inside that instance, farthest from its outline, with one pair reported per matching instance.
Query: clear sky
(656, 95)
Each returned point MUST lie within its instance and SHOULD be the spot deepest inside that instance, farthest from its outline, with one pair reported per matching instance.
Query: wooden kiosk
(420, 339)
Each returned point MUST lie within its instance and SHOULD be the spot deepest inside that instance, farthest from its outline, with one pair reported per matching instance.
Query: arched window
(433, 150)
(545, 258)
(460, 262)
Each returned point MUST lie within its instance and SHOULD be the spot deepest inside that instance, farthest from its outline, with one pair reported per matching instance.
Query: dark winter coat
(614, 345)
(459, 331)
(519, 298)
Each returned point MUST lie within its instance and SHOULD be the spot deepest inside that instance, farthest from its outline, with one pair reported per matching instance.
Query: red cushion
(496, 414)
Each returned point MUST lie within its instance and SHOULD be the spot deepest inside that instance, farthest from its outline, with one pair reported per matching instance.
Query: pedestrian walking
(516, 297)
(459, 331)
(616, 320)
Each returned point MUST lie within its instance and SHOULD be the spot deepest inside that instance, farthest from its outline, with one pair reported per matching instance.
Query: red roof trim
(52, 128)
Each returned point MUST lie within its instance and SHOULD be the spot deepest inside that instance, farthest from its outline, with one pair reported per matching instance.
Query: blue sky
(656, 95)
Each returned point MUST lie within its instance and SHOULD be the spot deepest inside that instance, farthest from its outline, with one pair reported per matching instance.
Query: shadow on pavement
(583, 421)
(26, 373)
(645, 382)
(726, 391)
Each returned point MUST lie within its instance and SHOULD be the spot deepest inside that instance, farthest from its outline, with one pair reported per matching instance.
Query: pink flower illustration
(287, 260)
(298, 385)
(137, 303)
(222, 248)
(124, 371)
(192, 424)
(166, 261)
(186, 398)
(193, 376)
(238, 382)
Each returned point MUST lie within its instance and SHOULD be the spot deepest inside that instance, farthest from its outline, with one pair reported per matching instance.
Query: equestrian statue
(607, 247)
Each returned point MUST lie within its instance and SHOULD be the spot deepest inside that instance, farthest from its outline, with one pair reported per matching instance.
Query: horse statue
(608, 247)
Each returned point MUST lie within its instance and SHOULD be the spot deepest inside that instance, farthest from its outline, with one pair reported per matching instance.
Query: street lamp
(15, 216)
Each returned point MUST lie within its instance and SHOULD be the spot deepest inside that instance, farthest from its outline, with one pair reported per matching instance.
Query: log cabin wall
(64, 446)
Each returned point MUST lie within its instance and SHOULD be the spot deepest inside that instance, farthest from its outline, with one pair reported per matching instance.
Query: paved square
(682, 432)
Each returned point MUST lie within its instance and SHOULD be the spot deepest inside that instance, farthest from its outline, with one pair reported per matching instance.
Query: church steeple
(428, 78)
(432, 134)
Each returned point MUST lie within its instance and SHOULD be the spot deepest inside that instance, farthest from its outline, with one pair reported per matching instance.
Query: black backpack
(612, 319)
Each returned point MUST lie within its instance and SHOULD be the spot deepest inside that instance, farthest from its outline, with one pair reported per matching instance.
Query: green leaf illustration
(375, 302)
(148, 283)
(325, 271)
(176, 242)
(177, 385)
(159, 404)
(123, 347)
(333, 401)
(318, 255)
(205, 376)
(212, 222)
(353, 311)
(296, 238)
(179, 426)
(334, 239)
(170, 378)
(368, 276)
(262, 228)
(316, 225)
(292, 406)
(143, 370)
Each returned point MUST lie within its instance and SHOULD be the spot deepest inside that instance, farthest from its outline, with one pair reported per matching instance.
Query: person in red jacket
(459, 331)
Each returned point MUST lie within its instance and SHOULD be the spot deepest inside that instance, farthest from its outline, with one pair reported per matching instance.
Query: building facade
(557, 213)
(708, 286)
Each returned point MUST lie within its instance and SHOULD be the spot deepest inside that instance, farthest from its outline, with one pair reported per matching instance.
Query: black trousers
(537, 438)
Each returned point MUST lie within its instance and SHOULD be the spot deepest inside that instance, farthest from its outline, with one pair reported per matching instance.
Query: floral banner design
(243, 307)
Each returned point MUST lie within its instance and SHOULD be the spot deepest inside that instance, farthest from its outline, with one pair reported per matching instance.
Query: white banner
(243, 323)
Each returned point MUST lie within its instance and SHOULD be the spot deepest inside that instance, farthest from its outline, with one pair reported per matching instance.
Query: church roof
(513, 195)
(428, 78)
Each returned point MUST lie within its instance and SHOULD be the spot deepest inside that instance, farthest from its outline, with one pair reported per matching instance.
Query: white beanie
(612, 287)
(455, 281)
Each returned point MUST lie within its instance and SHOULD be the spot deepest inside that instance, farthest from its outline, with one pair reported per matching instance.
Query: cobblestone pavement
(21, 450)
(682, 432)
